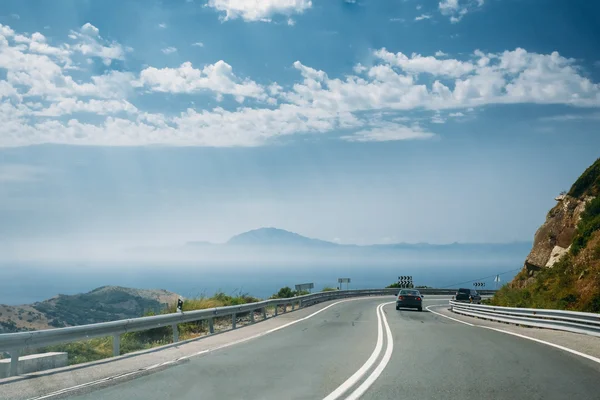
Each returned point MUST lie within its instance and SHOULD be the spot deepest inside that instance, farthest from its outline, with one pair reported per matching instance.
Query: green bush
(589, 223)
(588, 182)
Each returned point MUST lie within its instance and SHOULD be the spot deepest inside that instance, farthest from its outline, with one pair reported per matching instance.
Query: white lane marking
(589, 357)
(382, 364)
(365, 367)
(445, 316)
(595, 359)
(151, 367)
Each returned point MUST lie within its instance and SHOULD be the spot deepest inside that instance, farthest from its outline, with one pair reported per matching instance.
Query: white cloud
(422, 17)
(162, 25)
(291, 22)
(15, 16)
(440, 53)
(438, 119)
(218, 77)
(389, 132)
(419, 7)
(419, 64)
(457, 9)
(169, 50)
(262, 10)
(41, 101)
(198, 44)
(91, 44)
(397, 19)
(99, 107)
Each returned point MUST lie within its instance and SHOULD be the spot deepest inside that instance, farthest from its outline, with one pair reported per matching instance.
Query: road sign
(304, 286)
(405, 281)
(478, 284)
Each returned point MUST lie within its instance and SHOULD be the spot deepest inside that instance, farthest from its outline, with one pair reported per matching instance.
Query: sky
(368, 121)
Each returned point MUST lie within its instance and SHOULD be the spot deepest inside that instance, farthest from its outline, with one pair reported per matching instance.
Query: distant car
(469, 295)
(409, 298)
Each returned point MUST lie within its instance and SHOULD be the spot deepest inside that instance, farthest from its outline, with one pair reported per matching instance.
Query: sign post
(497, 281)
(344, 280)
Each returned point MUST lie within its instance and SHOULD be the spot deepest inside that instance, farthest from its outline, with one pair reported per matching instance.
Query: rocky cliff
(563, 268)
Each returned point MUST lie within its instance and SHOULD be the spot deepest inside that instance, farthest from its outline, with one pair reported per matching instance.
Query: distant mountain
(276, 237)
(106, 303)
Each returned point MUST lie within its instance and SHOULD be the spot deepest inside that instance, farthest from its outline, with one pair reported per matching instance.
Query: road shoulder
(585, 344)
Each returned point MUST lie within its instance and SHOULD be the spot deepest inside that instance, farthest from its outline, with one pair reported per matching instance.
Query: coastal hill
(107, 303)
(562, 269)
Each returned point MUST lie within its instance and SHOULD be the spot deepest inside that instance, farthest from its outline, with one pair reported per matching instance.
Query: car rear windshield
(468, 291)
(410, 293)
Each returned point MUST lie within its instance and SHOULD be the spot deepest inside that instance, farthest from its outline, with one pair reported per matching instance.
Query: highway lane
(432, 358)
(436, 358)
(304, 361)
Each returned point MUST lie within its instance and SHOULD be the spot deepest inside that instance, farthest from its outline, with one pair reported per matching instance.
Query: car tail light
(400, 297)
(418, 298)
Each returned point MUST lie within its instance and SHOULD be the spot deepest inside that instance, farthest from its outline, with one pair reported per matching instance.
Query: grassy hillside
(107, 303)
(573, 282)
(100, 348)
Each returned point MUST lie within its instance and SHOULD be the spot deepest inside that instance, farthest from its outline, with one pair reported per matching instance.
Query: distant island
(275, 237)
(275, 245)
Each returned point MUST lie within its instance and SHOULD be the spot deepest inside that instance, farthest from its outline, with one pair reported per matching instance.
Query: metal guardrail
(15, 343)
(571, 321)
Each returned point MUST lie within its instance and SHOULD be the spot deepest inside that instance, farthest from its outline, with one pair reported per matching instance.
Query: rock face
(554, 237)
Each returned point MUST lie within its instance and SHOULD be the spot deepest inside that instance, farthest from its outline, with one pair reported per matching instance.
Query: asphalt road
(430, 357)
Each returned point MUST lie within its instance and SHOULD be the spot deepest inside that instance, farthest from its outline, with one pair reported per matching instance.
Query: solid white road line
(595, 359)
(445, 316)
(589, 357)
(365, 367)
(382, 364)
(151, 367)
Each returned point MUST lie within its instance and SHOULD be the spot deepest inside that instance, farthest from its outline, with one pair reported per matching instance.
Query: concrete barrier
(34, 363)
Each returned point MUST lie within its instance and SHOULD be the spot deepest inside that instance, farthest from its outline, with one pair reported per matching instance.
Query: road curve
(429, 357)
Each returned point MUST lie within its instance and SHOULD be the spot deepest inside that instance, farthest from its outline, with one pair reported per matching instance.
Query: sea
(24, 283)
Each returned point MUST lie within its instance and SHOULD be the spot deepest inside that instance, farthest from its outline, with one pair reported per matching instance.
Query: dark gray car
(409, 298)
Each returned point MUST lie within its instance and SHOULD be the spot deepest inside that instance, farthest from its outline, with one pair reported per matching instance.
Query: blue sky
(128, 122)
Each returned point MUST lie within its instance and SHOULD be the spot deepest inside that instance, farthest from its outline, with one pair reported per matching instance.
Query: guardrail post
(116, 344)
(211, 325)
(175, 333)
(252, 316)
(264, 312)
(233, 321)
(14, 362)
(293, 305)
(276, 309)
(300, 303)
